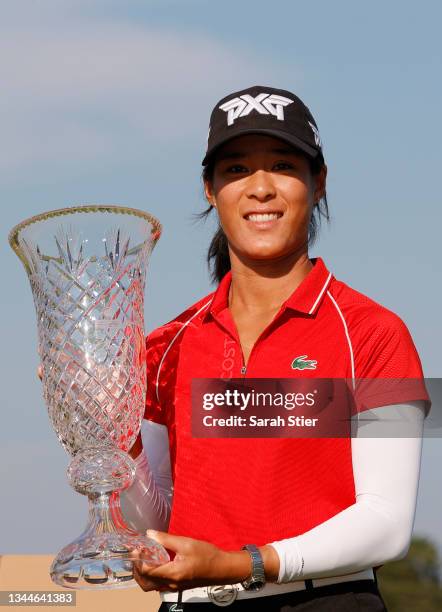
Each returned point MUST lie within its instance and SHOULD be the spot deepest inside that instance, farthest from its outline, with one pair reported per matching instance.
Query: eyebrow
(240, 154)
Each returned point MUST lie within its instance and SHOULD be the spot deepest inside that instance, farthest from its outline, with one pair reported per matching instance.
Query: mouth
(263, 217)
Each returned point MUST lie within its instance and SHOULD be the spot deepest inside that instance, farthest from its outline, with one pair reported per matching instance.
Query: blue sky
(105, 101)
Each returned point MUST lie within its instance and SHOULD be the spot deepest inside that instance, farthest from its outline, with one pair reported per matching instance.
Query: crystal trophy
(87, 269)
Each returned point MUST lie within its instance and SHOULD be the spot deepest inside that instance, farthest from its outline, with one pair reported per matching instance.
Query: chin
(272, 252)
(265, 254)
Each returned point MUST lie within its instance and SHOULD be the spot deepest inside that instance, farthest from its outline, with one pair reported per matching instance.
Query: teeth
(263, 216)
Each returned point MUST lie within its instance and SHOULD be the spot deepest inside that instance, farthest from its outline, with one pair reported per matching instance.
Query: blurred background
(109, 102)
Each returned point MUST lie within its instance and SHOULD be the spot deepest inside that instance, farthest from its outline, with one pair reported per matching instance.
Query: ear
(320, 183)
(208, 190)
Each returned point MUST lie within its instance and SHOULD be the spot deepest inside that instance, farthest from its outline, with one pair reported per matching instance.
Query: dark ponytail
(218, 258)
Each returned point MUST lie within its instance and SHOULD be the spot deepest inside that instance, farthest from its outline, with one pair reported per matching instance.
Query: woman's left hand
(196, 563)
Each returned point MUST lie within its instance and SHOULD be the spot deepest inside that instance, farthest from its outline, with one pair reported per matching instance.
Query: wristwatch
(257, 580)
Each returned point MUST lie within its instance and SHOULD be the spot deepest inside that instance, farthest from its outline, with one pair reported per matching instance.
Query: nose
(260, 186)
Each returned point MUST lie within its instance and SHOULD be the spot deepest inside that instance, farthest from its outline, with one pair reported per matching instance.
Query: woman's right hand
(40, 372)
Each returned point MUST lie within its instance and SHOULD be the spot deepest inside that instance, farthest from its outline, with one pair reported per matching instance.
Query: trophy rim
(80, 208)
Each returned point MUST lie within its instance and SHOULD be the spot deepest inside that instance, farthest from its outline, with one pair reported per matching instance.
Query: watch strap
(257, 579)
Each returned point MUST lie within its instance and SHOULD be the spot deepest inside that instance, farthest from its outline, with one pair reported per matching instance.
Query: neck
(259, 287)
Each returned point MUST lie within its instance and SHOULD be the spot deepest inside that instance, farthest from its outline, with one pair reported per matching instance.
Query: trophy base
(102, 561)
(100, 557)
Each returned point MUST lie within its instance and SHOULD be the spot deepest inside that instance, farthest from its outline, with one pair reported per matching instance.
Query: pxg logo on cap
(263, 110)
(264, 103)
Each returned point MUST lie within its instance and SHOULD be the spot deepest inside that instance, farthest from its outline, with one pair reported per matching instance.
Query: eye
(283, 165)
(236, 169)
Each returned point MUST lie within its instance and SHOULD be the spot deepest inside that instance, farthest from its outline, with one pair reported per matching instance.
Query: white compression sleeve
(378, 527)
(156, 444)
(147, 502)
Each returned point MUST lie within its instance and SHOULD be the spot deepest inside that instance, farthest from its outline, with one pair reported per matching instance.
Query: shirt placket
(225, 320)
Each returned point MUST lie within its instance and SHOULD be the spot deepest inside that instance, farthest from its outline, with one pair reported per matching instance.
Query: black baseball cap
(263, 110)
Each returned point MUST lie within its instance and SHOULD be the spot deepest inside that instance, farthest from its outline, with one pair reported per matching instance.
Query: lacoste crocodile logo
(302, 363)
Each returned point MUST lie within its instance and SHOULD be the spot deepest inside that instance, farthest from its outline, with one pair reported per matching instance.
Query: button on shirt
(235, 491)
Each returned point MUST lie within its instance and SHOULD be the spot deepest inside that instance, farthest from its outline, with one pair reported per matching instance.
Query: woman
(317, 514)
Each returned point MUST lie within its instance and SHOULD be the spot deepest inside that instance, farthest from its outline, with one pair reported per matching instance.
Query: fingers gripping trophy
(87, 269)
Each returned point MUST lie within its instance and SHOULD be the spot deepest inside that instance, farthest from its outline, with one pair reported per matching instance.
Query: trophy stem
(105, 513)
(99, 557)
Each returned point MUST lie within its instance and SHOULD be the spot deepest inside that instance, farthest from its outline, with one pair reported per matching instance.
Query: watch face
(256, 585)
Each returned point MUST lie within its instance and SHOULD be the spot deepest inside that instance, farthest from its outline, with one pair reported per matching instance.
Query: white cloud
(80, 90)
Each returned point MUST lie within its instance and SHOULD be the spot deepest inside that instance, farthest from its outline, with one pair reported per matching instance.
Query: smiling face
(264, 193)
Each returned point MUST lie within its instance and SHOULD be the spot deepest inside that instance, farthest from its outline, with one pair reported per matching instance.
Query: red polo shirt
(235, 491)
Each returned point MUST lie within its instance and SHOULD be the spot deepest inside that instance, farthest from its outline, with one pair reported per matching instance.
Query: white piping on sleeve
(173, 340)
(320, 293)
(348, 338)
